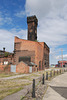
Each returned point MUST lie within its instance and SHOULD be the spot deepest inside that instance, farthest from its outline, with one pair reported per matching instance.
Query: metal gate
(13, 68)
(30, 69)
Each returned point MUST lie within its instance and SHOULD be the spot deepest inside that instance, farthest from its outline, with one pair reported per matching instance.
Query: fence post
(60, 71)
(46, 75)
(43, 79)
(57, 72)
(54, 72)
(63, 71)
(50, 73)
(33, 89)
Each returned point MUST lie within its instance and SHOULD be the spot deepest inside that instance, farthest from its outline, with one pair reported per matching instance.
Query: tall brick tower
(32, 22)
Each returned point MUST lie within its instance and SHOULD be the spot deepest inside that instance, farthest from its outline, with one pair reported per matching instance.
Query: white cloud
(52, 27)
(38, 7)
(7, 38)
(5, 20)
(60, 57)
(43, 8)
(20, 14)
(1, 19)
(52, 19)
(19, 32)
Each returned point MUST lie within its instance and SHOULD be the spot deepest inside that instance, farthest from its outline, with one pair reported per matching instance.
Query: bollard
(46, 75)
(57, 72)
(43, 79)
(54, 72)
(33, 89)
(60, 71)
(63, 71)
(50, 73)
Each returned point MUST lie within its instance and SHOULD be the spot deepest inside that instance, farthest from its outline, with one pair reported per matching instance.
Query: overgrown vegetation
(6, 54)
(36, 41)
(11, 86)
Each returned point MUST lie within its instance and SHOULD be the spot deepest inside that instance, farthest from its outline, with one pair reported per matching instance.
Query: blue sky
(52, 24)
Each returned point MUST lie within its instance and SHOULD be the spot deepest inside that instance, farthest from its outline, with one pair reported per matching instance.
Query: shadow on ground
(61, 90)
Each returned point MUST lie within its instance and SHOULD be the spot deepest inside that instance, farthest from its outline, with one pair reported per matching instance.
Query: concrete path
(57, 89)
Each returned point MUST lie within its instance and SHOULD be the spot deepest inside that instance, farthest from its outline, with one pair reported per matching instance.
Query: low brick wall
(22, 68)
(4, 68)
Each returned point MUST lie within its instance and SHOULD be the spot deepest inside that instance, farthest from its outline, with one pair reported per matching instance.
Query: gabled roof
(29, 63)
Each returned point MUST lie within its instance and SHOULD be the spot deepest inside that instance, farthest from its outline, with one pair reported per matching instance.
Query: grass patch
(9, 92)
(8, 87)
(8, 74)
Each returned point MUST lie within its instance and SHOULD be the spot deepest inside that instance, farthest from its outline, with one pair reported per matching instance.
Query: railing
(49, 75)
(42, 80)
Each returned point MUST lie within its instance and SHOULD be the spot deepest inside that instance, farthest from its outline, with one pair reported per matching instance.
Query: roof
(30, 63)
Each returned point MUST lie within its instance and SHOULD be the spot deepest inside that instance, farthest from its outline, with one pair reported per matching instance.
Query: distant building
(60, 63)
(6, 57)
(52, 65)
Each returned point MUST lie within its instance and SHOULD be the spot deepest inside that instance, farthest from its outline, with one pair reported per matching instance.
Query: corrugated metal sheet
(30, 69)
(13, 68)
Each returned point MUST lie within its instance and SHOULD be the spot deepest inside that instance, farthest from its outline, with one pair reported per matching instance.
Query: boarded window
(25, 59)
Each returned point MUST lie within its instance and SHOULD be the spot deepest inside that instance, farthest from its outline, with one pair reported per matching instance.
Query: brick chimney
(4, 49)
(32, 22)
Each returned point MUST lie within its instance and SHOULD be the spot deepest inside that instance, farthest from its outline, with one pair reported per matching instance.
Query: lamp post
(62, 56)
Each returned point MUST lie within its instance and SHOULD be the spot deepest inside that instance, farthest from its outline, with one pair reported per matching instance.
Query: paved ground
(57, 89)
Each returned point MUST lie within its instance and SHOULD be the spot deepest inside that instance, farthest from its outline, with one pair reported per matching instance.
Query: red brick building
(30, 50)
(29, 55)
(62, 63)
(6, 57)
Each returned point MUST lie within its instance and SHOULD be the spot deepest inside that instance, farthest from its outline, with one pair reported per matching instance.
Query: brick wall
(9, 59)
(38, 51)
(4, 68)
(22, 68)
(23, 53)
